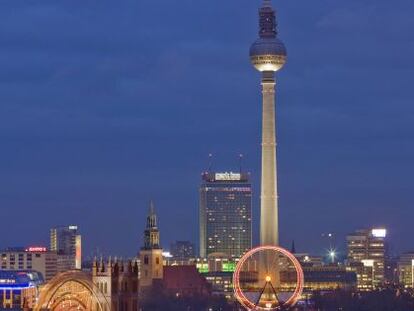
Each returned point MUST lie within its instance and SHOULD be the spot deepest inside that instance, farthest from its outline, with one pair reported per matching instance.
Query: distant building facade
(150, 255)
(329, 278)
(225, 214)
(30, 258)
(218, 270)
(182, 250)
(406, 270)
(309, 260)
(368, 247)
(320, 278)
(118, 282)
(221, 283)
(391, 269)
(67, 243)
(364, 274)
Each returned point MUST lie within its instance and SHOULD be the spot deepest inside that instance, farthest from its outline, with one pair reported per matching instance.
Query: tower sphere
(268, 54)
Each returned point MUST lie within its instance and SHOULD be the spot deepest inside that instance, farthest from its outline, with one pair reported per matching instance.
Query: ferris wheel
(258, 283)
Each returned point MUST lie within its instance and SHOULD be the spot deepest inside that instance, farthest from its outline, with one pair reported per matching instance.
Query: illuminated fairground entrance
(73, 290)
(268, 278)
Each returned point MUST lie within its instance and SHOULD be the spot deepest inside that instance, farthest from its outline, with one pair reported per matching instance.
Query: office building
(369, 248)
(325, 278)
(364, 274)
(218, 271)
(225, 214)
(67, 243)
(182, 250)
(30, 258)
(406, 270)
(391, 269)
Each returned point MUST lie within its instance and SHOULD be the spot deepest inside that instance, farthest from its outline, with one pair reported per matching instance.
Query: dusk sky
(105, 105)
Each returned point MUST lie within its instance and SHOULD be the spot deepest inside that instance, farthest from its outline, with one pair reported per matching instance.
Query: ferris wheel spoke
(267, 263)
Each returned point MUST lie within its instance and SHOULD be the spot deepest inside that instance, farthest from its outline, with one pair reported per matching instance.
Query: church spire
(152, 216)
(151, 233)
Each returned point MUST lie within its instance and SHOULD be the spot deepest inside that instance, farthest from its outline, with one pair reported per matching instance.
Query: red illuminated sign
(36, 249)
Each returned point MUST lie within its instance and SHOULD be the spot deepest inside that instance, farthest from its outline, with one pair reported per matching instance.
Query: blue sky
(105, 105)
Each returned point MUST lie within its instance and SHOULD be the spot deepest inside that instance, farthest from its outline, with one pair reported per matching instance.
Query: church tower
(151, 263)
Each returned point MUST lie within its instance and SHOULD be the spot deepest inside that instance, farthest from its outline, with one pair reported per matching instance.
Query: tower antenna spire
(267, 3)
(240, 162)
(210, 162)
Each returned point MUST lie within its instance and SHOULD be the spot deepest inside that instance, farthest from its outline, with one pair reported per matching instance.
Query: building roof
(183, 278)
(19, 279)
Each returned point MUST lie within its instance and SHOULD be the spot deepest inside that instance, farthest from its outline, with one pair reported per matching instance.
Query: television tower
(268, 55)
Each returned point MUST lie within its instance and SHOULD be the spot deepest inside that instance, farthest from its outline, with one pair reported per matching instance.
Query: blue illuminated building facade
(18, 289)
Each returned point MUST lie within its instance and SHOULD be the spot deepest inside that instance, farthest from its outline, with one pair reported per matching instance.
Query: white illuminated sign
(73, 227)
(368, 262)
(228, 176)
(379, 233)
(167, 254)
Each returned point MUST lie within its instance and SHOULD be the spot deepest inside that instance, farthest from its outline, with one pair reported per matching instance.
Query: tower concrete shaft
(269, 222)
(268, 55)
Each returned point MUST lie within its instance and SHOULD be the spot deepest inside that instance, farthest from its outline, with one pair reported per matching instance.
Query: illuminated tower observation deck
(268, 55)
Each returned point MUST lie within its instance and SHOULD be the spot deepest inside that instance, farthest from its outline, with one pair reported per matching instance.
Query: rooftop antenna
(293, 248)
(210, 162)
(267, 3)
(240, 162)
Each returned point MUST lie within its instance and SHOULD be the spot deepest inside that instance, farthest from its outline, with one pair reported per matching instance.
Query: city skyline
(106, 148)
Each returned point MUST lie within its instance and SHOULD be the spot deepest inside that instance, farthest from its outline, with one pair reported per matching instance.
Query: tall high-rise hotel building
(225, 214)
